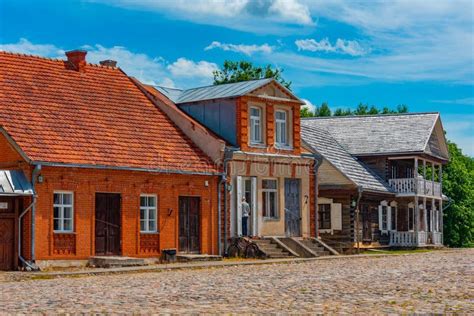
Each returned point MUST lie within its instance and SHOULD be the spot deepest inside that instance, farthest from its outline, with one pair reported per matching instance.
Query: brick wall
(242, 118)
(86, 182)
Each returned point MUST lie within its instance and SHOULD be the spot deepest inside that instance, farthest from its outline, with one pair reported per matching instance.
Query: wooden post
(433, 168)
(415, 175)
(440, 179)
(425, 217)
(424, 177)
(417, 219)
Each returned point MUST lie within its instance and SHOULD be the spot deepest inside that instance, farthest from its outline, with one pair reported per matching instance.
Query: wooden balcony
(412, 186)
(408, 239)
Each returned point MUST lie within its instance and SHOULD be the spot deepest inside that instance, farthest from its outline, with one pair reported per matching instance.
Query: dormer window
(255, 125)
(281, 128)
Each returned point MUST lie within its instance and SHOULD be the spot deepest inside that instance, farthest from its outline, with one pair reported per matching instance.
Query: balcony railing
(408, 239)
(408, 186)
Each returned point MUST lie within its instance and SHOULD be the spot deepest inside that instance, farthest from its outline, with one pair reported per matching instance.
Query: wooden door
(107, 224)
(7, 241)
(292, 208)
(189, 223)
(366, 224)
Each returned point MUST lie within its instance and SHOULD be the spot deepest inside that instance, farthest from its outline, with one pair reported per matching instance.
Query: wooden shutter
(238, 218)
(336, 216)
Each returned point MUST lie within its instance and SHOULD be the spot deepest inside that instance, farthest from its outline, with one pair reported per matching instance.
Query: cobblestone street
(434, 282)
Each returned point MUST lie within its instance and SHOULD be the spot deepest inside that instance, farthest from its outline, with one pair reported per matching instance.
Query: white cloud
(410, 40)
(151, 70)
(24, 46)
(307, 104)
(187, 68)
(460, 129)
(342, 46)
(262, 16)
(463, 101)
(241, 48)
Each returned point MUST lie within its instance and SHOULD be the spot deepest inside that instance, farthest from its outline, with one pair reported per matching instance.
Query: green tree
(306, 112)
(323, 110)
(236, 71)
(362, 109)
(342, 112)
(402, 108)
(458, 185)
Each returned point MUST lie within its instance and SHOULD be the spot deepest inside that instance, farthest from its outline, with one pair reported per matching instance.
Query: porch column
(424, 176)
(415, 174)
(417, 219)
(433, 169)
(425, 217)
(440, 179)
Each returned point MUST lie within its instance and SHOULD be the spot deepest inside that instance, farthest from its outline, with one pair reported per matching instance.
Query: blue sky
(383, 53)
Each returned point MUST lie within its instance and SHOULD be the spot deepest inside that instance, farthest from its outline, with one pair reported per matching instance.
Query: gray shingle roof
(228, 90)
(321, 141)
(378, 134)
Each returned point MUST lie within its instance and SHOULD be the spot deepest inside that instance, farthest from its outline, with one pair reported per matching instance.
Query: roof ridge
(367, 115)
(224, 84)
(51, 59)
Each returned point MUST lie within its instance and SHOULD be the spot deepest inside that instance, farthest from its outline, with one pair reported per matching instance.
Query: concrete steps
(270, 249)
(185, 257)
(315, 247)
(115, 262)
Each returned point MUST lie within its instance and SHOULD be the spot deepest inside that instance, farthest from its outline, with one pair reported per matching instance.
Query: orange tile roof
(98, 117)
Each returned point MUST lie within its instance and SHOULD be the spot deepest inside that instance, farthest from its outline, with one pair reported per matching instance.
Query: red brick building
(111, 172)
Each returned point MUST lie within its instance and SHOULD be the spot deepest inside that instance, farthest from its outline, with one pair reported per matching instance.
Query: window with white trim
(255, 125)
(148, 213)
(281, 128)
(270, 198)
(63, 212)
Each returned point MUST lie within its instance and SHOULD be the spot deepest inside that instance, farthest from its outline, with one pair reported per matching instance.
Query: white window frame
(61, 217)
(147, 209)
(266, 197)
(256, 125)
(282, 129)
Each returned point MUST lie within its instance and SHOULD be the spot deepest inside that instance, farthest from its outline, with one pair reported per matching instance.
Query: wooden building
(109, 172)
(380, 182)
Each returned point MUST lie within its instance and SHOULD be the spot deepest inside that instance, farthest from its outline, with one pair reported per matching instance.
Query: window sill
(284, 147)
(150, 233)
(63, 233)
(258, 145)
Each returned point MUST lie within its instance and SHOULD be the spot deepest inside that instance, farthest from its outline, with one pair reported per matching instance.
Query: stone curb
(197, 265)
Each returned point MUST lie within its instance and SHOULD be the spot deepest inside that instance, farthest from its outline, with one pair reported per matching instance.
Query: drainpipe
(318, 160)
(25, 263)
(34, 175)
(360, 190)
(32, 207)
(228, 153)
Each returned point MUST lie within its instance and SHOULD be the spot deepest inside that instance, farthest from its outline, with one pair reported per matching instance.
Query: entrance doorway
(189, 223)
(7, 241)
(107, 224)
(292, 208)
(366, 224)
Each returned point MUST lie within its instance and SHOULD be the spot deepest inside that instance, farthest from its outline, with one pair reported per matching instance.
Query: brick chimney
(108, 63)
(77, 59)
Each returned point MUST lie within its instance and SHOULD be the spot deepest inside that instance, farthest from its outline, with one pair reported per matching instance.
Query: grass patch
(394, 251)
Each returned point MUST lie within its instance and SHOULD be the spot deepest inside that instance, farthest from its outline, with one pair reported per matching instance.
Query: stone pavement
(434, 282)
